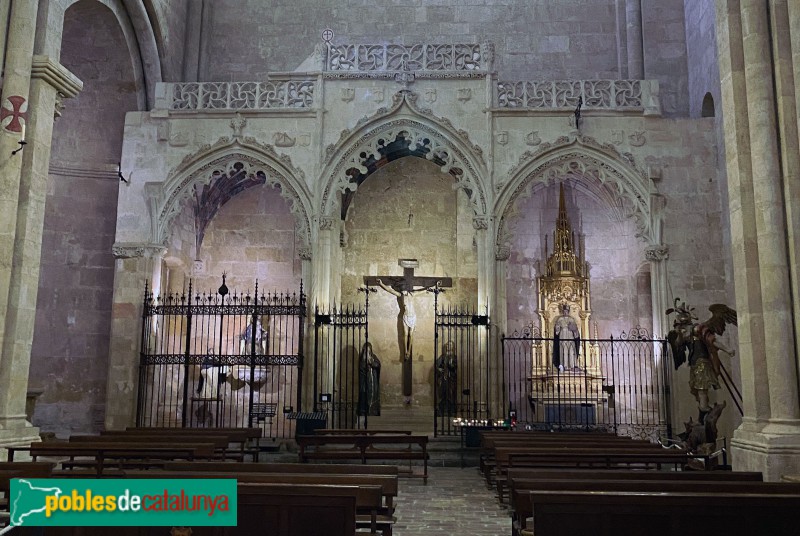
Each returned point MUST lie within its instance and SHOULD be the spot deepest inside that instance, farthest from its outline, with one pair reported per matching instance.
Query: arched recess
(228, 156)
(707, 109)
(600, 171)
(421, 133)
(139, 37)
(610, 176)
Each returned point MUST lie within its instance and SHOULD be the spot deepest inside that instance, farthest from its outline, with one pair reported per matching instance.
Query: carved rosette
(656, 253)
(137, 250)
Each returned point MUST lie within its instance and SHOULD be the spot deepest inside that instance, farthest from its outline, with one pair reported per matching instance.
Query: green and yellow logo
(66, 502)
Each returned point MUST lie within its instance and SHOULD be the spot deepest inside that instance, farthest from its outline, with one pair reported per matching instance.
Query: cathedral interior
(500, 162)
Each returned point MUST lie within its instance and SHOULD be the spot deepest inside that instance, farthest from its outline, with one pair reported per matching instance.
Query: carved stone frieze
(379, 57)
(239, 95)
(565, 94)
(123, 250)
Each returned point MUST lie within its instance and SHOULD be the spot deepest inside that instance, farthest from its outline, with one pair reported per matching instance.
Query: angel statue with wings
(700, 341)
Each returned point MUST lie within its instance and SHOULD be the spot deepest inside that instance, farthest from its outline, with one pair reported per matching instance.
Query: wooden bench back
(618, 513)
(317, 468)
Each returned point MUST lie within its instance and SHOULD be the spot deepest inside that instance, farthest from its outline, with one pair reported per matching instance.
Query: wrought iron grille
(221, 360)
(341, 333)
(461, 369)
(618, 384)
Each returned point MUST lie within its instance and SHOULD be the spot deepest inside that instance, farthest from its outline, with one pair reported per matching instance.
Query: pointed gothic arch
(424, 135)
(245, 155)
(601, 170)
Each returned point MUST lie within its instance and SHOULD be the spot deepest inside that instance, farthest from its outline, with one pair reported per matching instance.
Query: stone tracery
(224, 158)
(438, 141)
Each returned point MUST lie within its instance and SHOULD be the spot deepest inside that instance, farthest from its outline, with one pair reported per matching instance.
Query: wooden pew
(521, 504)
(358, 431)
(277, 510)
(261, 467)
(243, 437)
(365, 448)
(98, 455)
(571, 456)
(380, 515)
(620, 513)
(221, 442)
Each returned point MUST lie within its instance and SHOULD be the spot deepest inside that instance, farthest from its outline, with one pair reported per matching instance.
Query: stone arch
(140, 39)
(610, 176)
(167, 199)
(427, 136)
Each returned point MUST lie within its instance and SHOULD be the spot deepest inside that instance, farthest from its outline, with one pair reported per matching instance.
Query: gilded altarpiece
(566, 374)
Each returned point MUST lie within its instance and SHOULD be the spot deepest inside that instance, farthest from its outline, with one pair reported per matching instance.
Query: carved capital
(502, 253)
(304, 253)
(326, 224)
(656, 253)
(128, 250)
(480, 223)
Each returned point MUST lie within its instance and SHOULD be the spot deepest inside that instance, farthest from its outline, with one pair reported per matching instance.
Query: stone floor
(455, 501)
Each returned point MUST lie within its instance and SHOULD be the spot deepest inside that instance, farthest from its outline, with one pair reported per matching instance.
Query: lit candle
(23, 130)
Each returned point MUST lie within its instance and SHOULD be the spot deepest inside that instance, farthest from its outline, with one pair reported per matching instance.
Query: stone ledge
(17, 437)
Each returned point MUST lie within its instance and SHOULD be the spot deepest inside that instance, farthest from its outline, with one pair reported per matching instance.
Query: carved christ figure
(407, 312)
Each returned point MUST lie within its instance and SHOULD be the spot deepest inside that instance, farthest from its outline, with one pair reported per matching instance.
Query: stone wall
(701, 54)
(535, 39)
(170, 25)
(71, 337)
(664, 39)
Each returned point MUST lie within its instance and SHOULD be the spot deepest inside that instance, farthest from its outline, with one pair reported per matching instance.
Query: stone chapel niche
(408, 209)
(251, 237)
(612, 251)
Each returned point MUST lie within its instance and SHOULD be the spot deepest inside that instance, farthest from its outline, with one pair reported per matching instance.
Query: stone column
(5, 7)
(14, 117)
(635, 45)
(786, 37)
(771, 222)
(622, 38)
(657, 255)
(500, 325)
(307, 384)
(321, 271)
(49, 82)
(769, 438)
(486, 342)
(135, 264)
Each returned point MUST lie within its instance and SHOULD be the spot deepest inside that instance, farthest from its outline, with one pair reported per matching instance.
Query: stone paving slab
(456, 501)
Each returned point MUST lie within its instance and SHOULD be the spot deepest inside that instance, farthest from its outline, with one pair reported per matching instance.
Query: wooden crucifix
(404, 289)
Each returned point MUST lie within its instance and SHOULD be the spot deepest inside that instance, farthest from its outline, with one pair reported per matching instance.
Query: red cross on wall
(17, 111)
